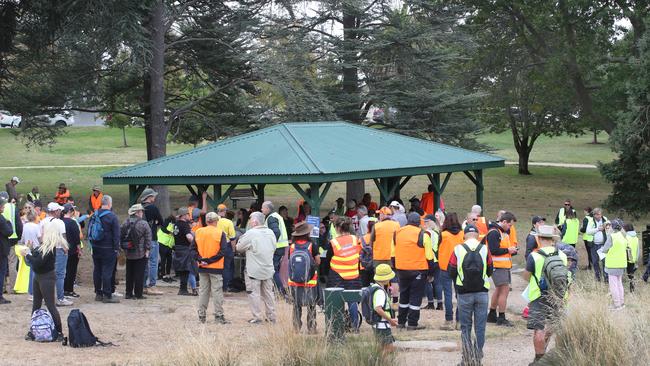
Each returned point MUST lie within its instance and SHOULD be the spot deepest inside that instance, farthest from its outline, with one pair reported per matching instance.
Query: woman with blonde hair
(42, 261)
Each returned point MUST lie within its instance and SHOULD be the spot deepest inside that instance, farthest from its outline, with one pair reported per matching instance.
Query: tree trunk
(350, 72)
(157, 141)
(124, 137)
(524, 156)
(354, 189)
(595, 141)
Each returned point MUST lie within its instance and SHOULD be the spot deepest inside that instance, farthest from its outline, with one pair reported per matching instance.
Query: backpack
(301, 264)
(79, 333)
(127, 241)
(554, 278)
(365, 257)
(42, 327)
(367, 310)
(473, 269)
(95, 227)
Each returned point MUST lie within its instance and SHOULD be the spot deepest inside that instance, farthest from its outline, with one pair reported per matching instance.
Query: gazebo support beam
(314, 197)
(477, 179)
(259, 192)
(389, 187)
(438, 189)
(134, 193)
(218, 197)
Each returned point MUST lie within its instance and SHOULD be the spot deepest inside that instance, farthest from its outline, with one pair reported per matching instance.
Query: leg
(204, 294)
(277, 262)
(114, 274)
(428, 289)
(480, 320)
(70, 273)
(184, 277)
(415, 299)
(97, 273)
(37, 300)
(254, 298)
(466, 309)
(191, 281)
(4, 260)
(138, 276)
(130, 277)
(595, 260)
(588, 250)
(404, 295)
(228, 271)
(297, 312)
(60, 267)
(153, 264)
(446, 287)
(48, 284)
(539, 342)
(503, 298)
(353, 308)
(217, 294)
(268, 299)
(311, 317)
(108, 267)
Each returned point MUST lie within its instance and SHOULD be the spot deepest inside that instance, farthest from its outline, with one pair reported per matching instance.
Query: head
(148, 196)
(476, 209)
(34, 189)
(567, 204)
(430, 188)
(107, 202)
(322, 228)
(3, 202)
(15, 181)
(352, 204)
(343, 225)
(301, 231)
(472, 218)
(597, 213)
(471, 232)
(211, 218)
(394, 207)
(68, 210)
(221, 210)
(230, 215)
(267, 208)
(547, 235)
(136, 211)
(362, 211)
(306, 208)
(283, 211)
(193, 202)
(97, 190)
(440, 217)
(339, 202)
(451, 221)
(587, 210)
(254, 207)
(367, 198)
(62, 188)
(617, 224)
(628, 227)
(257, 219)
(415, 203)
(570, 213)
(506, 220)
(54, 209)
(501, 212)
(31, 216)
(38, 207)
(371, 224)
(430, 222)
(538, 221)
(413, 219)
(385, 213)
(332, 216)
(383, 274)
(183, 214)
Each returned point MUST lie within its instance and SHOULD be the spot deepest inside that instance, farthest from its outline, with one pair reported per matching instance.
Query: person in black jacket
(41, 261)
(6, 231)
(73, 235)
(105, 252)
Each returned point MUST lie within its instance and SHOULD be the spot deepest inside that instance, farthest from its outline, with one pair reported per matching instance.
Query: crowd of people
(403, 255)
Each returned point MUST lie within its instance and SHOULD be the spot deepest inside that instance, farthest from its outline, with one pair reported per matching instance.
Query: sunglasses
(567, 204)
(473, 219)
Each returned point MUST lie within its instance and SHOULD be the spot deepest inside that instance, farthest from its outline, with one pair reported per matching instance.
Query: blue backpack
(95, 227)
(302, 266)
(42, 327)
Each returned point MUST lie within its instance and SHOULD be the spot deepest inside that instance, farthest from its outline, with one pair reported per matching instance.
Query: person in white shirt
(598, 228)
(362, 213)
(53, 218)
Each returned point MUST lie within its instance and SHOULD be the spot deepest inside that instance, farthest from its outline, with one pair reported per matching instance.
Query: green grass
(560, 149)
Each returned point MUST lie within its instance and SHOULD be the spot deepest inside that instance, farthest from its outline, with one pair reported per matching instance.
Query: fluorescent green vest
(10, 214)
(166, 239)
(534, 292)
(461, 252)
(617, 255)
(283, 240)
(590, 222)
(633, 244)
(561, 216)
(34, 196)
(572, 231)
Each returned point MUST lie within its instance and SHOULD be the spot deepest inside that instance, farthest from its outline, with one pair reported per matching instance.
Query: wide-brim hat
(148, 193)
(383, 272)
(97, 188)
(135, 208)
(546, 231)
(302, 228)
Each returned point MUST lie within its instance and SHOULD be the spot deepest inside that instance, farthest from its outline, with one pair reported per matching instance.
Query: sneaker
(167, 279)
(64, 302)
(448, 325)
(117, 294)
(430, 306)
(29, 336)
(221, 320)
(184, 293)
(129, 297)
(70, 294)
(153, 291)
(30, 298)
(111, 300)
(59, 337)
(99, 297)
(504, 322)
(440, 307)
(415, 327)
(194, 292)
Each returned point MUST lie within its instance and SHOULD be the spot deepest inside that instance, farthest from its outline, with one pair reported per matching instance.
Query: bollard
(645, 238)
(334, 310)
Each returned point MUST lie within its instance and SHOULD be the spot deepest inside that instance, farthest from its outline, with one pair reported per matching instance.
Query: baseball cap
(15, 179)
(222, 207)
(53, 206)
(385, 210)
(211, 217)
(537, 219)
(183, 211)
(430, 217)
(68, 207)
(4, 195)
(413, 218)
(135, 208)
(470, 229)
(394, 204)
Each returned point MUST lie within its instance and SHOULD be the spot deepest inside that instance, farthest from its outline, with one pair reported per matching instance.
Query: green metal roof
(309, 152)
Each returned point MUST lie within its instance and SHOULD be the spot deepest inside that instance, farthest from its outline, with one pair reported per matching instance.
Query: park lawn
(560, 149)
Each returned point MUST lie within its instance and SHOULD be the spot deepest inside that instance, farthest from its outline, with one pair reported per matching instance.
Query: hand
(203, 263)
(393, 322)
(146, 253)
(512, 250)
(24, 252)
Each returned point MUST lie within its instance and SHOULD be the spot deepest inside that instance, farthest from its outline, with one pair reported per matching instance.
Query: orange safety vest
(504, 260)
(513, 236)
(481, 225)
(314, 280)
(96, 202)
(62, 198)
(409, 249)
(382, 239)
(208, 244)
(448, 242)
(345, 258)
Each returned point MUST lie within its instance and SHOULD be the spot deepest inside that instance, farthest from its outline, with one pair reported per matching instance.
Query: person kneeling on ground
(549, 278)
(259, 244)
(381, 304)
(41, 261)
(209, 249)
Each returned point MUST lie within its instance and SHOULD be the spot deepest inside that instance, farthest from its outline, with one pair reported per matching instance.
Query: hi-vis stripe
(501, 259)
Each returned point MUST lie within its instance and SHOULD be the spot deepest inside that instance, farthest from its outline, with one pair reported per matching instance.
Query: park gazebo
(310, 156)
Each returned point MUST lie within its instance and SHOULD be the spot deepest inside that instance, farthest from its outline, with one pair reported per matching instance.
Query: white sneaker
(117, 294)
(64, 302)
(30, 298)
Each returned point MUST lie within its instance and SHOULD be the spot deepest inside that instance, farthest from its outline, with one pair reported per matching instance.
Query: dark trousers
(588, 245)
(45, 289)
(103, 274)
(597, 263)
(228, 271)
(411, 291)
(165, 266)
(71, 272)
(135, 276)
(184, 275)
(311, 317)
(277, 262)
(4, 270)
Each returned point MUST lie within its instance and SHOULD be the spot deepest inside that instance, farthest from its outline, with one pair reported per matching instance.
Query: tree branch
(126, 113)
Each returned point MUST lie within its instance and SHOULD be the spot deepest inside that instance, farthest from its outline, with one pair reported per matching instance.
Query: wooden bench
(245, 194)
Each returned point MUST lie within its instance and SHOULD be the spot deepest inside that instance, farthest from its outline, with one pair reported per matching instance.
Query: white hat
(15, 179)
(53, 206)
(394, 204)
(546, 231)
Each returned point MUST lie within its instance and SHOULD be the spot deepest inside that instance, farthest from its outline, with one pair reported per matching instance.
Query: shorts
(540, 312)
(501, 276)
(384, 336)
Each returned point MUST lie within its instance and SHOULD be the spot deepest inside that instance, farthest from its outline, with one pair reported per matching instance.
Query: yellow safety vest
(166, 239)
(461, 252)
(10, 214)
(617, 255)
(534, 292)
(590, 222)
(283, 240)
(561, 217)
(572, 231)
(633, 244)
(34, 196)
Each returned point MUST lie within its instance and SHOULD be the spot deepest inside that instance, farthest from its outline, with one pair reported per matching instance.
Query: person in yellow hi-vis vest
(22, 277)
(615, 250)
(571, 228)
(275, 222)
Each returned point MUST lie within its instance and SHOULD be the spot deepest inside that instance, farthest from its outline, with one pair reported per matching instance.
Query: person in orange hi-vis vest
(502, 249)
(62, 195)
(452, 235)
(95, 199)
(427, 201)
(481, 222)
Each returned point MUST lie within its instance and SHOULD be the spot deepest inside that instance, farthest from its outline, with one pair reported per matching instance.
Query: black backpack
(367, 310)
(473, 269)
(127, 239)
(79, 333)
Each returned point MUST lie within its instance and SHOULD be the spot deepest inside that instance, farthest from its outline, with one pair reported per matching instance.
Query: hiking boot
(401, 326)
(415, 327)
(440, 307)
(111, 300)
(70, 294)
(492, 317)
(221, 320)
(64, 302)
(448, 325)
(129, 297)
(195, 293)
(153, 291)
(59, 337)
(99, 297)
(430, 306)
(184, 293)
(29, 336)
(504, 322)
(4, 301)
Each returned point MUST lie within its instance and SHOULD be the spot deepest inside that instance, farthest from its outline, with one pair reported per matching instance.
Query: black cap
(68, 207)
(413, 218)
(537, 219)
(414, 199)
(470, 229)
(430, 217)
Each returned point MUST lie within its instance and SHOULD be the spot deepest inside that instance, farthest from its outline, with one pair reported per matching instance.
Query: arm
(608, 244)
(562, 230)
(163, 227)
(204, 204)
(5, 227)
(274, 225)
(531, 243)
(19, 223)
(429, 255)
(115, 228)
(494, 243)
(583, 227)
(244, 243)
(592, 230)
(147, 235)
(452, 268)
(490, 266)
